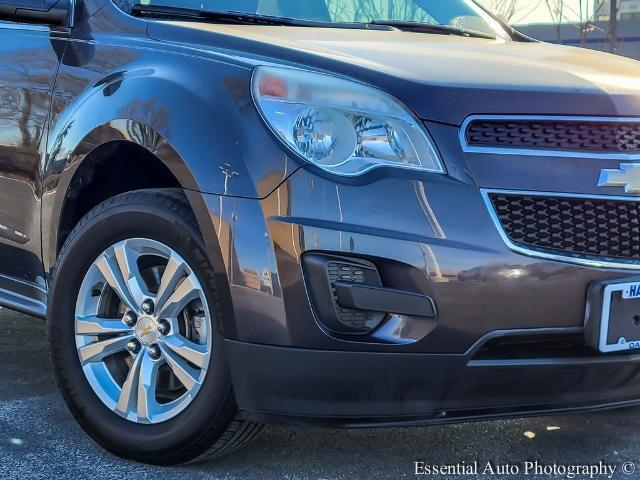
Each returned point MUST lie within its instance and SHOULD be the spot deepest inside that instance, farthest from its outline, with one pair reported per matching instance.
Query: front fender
(200, 108)
(195, 115)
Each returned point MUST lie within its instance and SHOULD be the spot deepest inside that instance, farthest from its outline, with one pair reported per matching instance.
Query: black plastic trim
(438, 418)
(372, 388)
(386, 300)
(22, 304)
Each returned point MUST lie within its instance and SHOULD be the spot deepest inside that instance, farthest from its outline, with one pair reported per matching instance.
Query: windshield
(463, 14)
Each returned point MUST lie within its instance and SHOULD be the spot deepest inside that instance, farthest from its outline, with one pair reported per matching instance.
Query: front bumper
(462, 364)
(277, 384)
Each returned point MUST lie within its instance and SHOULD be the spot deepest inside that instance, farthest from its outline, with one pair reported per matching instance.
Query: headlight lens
(341, 126)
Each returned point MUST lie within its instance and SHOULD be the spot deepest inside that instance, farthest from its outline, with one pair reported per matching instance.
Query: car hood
(442, 78)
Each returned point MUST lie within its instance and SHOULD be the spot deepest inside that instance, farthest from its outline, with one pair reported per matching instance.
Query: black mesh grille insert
(604, 137)
(348, 272)
(571, 226)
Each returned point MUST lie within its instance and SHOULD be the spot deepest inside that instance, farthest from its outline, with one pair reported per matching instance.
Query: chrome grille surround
(554, 254)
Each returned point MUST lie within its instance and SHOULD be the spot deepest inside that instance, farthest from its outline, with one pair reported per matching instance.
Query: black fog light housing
(350, 297)
(324, 273)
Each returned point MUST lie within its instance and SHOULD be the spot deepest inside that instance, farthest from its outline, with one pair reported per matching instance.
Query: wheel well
(109, 170)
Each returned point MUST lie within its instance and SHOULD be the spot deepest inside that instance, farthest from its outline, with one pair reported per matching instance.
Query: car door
(29, 58)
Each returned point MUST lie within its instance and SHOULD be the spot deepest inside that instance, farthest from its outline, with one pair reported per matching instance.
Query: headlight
(341, 126)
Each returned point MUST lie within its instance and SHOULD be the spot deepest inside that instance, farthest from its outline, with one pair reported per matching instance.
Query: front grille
(582, 227)
(574, 135)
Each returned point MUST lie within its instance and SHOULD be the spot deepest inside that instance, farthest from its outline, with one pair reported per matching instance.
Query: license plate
(620, 320)
(631, 290)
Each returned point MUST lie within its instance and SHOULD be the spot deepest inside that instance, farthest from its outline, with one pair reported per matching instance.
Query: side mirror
(49, 12)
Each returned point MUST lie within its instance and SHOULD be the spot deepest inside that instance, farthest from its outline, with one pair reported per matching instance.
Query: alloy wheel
(143, 331)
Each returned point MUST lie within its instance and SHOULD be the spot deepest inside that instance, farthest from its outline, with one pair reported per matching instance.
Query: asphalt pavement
(39, 439)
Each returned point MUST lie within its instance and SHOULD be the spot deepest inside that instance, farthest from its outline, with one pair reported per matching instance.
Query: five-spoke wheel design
(143, 331)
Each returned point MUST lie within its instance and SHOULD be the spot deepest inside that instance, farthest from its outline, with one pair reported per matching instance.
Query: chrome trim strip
(582, 261)
(72, 13)
(25, 27)
(521, 151)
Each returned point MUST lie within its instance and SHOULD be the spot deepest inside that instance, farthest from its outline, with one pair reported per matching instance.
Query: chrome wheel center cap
(146, 331)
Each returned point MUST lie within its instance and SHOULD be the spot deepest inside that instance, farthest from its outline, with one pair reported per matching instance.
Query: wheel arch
(98, 170)
(190, 117)
(194, 116)
(119, 156)
(112, 160)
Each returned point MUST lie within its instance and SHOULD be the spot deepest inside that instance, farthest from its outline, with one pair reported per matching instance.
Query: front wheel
(132, 330)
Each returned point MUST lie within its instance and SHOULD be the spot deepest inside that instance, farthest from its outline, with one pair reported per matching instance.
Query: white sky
(536, 11)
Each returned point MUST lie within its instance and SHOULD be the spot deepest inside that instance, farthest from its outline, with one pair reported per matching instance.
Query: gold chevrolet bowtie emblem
(146, 330)
(628, 177)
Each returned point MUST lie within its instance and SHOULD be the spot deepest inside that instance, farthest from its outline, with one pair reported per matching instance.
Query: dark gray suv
(332, 212)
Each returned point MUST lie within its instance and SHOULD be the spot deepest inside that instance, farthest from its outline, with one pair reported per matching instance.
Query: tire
(209, 426)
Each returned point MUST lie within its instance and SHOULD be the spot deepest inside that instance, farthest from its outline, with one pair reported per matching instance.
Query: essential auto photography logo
(525, 469)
